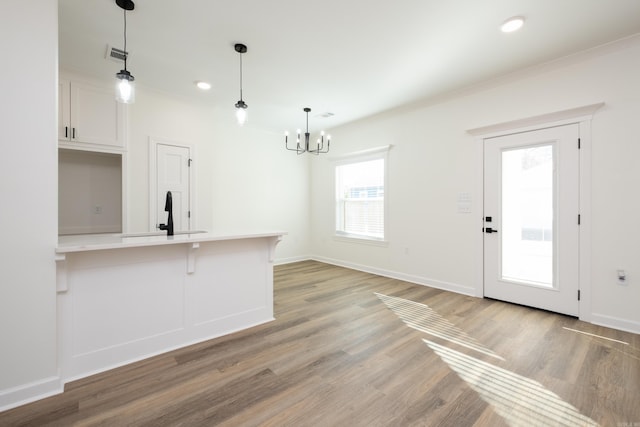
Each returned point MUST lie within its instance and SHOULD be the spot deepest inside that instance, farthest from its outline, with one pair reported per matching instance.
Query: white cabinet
(89, 114)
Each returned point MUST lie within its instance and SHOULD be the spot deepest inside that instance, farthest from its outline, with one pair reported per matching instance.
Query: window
(360, 196)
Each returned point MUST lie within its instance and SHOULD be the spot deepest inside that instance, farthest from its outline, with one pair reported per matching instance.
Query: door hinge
(578, 143)
(189, 162)
(579, 219)
(578, 294)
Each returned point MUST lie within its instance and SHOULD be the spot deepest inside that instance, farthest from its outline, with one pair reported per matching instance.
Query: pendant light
(241, 106)
(125, 87)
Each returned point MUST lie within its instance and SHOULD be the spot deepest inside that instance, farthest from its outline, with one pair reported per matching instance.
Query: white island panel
(122, 304)
(115, 302)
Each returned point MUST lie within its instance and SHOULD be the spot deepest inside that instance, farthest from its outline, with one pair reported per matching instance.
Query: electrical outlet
(97, 210)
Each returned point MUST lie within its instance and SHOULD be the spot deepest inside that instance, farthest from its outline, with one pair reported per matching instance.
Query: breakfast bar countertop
(94, 242)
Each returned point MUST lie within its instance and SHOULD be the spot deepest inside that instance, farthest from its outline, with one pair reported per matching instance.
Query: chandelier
(300, 149)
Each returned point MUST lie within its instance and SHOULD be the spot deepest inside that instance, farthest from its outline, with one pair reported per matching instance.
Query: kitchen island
(122, 299)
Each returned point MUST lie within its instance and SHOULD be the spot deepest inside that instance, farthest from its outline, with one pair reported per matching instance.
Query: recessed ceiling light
(512, 24)
(203, 85)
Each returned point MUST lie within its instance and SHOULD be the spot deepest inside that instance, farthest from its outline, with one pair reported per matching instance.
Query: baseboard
(27, 393)
(615, 323)
(419, 280)
(282, 261)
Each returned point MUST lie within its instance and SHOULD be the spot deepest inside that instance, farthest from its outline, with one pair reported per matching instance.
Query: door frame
(153, 184)
(581, 116)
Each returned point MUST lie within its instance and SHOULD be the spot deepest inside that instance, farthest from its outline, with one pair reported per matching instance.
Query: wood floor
(352, 349)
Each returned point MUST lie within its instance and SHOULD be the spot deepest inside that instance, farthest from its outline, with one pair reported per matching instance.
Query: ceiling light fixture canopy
(512, 24)
(306, 149)
(125, 87)
(241, 106)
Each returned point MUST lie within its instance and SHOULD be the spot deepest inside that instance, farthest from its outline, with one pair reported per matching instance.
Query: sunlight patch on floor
(423, 318)
(594, 335)
(519, 400)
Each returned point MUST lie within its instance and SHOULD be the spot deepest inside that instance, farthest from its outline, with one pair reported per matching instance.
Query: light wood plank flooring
(349, 348)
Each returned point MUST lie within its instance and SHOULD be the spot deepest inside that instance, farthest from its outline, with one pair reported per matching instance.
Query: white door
(172, 170)
(531, 222)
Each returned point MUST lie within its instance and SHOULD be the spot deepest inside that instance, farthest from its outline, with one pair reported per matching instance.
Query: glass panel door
(530, 218)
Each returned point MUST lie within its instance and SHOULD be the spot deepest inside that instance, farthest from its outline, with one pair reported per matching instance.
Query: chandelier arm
(298, 150)
(321, 149)
(286, 145)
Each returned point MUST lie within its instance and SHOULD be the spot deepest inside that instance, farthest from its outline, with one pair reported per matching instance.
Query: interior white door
(172, 168)
(531, 222)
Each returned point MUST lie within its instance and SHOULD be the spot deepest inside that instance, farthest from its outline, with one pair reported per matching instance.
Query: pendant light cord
(126, 54)
(240, 76)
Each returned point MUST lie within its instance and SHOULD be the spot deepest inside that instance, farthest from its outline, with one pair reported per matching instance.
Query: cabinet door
(64, 106)
(96, 117)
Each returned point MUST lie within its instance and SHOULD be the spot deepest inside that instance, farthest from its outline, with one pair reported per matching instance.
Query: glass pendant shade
(125, 87)
(241, 112)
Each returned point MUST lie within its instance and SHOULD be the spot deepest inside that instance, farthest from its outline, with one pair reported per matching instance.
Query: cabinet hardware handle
(66, 131)
(73, 133)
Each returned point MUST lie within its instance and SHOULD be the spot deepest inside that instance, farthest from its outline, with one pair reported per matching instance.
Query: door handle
(490, 230)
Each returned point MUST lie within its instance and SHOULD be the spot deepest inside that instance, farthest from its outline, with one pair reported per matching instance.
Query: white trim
(558, 118)
(356, 238)
(418, 280)
(153, 185)
(291, 260)
(363, 154)
(584, 268)
(581, 116)
(615, 323)
(27, 393)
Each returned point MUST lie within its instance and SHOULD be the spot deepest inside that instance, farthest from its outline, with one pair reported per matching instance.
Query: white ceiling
(353, 58)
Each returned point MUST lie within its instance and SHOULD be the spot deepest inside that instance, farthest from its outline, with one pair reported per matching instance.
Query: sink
(161, 233)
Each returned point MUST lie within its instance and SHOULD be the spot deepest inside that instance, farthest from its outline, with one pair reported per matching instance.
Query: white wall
(28, 185)
(433, 160)
(257, 184)
(245, 179)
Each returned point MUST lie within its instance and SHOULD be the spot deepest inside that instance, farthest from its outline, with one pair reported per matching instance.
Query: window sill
(360, 240)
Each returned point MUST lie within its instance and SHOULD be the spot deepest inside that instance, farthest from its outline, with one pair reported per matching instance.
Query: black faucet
(168, 207)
